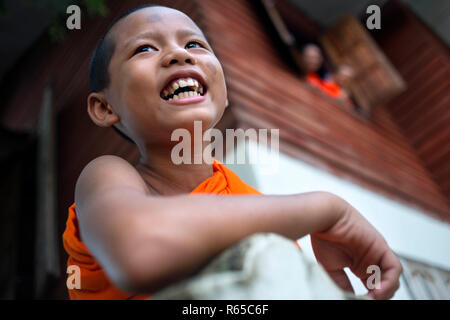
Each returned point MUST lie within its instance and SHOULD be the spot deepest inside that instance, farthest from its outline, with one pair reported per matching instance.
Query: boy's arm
(145, 242)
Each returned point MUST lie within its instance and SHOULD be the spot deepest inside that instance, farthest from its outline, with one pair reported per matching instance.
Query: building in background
(393, 164)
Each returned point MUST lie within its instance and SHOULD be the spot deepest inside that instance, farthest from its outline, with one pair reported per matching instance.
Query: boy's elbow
(149, 259)
(145, 271)
(135, 276)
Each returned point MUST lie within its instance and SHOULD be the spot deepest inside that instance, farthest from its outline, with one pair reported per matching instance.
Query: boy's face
(154, 47)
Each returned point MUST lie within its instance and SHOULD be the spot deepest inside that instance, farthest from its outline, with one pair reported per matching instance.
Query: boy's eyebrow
(144, 35)
(153, 35)
(186, 32)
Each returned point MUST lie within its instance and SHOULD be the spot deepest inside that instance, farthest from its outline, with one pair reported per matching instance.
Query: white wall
(408, 231)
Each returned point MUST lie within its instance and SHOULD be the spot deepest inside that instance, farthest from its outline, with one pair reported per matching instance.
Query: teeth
(197, 88)
(185, 94)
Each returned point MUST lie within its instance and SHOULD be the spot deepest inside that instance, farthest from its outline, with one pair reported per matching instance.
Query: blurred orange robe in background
(326, 86)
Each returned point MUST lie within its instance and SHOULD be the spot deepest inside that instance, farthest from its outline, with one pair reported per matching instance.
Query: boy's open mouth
(183, 88)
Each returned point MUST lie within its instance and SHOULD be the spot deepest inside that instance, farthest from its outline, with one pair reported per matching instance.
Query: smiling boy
(134, 230)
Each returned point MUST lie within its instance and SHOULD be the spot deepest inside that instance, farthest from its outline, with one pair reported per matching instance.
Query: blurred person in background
(335, 85)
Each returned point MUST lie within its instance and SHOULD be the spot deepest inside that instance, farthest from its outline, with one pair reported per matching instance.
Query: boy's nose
(178, 56)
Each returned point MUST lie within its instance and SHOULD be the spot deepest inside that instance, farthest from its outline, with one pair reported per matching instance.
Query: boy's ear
(100, 111)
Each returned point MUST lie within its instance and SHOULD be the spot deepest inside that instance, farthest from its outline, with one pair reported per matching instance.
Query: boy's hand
(352, 242)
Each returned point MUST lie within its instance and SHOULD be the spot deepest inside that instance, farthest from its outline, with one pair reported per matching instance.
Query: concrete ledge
(262, 266)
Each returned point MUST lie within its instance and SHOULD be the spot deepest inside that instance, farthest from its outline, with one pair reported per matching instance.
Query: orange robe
(328, 87)
(94, 281)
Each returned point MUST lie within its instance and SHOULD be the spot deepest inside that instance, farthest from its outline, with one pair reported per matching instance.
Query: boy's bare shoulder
(108, 172)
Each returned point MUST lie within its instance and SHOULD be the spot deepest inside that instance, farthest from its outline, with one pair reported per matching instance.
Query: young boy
(134, 230)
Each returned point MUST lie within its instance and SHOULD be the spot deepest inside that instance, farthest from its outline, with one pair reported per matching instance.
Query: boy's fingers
(386, 291)
(389, 285)
(392, 274)
(391, 270)
(341, 279)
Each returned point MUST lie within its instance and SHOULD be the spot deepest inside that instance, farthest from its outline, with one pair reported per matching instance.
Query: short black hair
(98, 68)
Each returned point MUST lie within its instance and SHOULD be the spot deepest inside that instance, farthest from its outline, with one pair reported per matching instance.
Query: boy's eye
(144, 48)
(194, 44)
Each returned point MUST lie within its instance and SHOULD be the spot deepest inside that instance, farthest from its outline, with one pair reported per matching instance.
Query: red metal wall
(423, 110)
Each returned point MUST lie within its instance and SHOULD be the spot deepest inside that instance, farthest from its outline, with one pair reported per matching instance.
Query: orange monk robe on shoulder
(94, 282)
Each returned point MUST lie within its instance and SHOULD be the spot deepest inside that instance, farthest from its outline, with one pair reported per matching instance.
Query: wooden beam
(46, 247)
